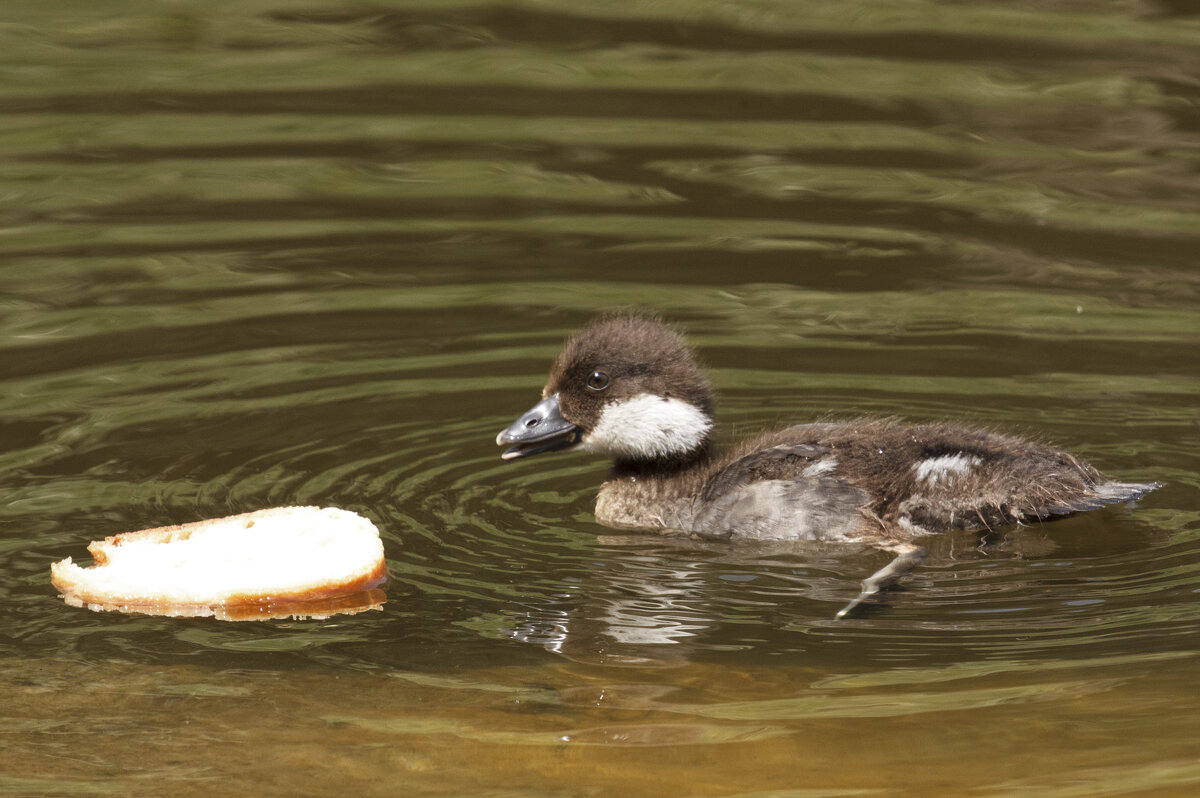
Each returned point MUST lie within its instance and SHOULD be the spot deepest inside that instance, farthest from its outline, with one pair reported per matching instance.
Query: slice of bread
(275, 563)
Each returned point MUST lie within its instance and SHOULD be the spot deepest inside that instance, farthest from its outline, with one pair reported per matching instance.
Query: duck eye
(597, 381)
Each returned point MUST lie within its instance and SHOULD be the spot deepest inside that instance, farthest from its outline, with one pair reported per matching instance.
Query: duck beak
(542, 429)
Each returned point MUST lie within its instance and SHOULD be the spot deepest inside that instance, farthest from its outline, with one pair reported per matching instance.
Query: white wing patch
(946, 468)
(647, 427)
(825, 465)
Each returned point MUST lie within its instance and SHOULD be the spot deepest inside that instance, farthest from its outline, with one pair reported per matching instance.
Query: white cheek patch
(945, 468)
(648, 427)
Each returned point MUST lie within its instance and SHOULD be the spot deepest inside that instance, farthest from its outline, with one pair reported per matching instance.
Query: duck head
(628, 387)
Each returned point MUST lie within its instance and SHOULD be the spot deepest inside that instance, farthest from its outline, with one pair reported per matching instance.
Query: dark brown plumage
(630, 387)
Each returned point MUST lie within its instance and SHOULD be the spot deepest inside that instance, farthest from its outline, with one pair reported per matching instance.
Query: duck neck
(653, 494)
(662, 467)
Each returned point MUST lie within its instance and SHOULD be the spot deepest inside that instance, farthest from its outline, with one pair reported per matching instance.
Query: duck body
(629, 387)
(874, 481)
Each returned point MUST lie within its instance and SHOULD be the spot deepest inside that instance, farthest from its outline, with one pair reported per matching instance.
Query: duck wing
(784, 492)
(786, 461)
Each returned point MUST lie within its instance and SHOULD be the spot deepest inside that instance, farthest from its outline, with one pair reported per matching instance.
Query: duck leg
(907, 558)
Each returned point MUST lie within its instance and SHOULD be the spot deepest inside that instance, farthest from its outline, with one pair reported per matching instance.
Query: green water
(259, 253)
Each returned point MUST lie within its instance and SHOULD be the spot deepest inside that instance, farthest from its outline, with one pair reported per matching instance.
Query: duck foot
(907, 558)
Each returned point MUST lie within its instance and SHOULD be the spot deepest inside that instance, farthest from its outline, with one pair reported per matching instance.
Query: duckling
(629, 387)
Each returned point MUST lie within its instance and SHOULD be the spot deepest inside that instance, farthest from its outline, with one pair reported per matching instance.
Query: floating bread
(276, 563)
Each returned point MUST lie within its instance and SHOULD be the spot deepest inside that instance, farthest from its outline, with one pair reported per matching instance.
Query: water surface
(262, 253)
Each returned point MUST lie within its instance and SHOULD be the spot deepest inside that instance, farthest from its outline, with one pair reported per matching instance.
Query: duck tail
(1101, 494)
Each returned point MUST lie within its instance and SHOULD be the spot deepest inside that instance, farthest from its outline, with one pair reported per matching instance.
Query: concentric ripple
(399, 426)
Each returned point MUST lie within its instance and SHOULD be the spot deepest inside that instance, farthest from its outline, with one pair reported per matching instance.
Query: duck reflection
(659, 602)
(655, 603)
(634, 610)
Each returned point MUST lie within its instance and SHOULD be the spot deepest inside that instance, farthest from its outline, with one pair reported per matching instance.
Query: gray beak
(542, 429)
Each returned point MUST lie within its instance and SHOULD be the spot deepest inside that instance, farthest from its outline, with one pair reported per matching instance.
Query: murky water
(261, 253)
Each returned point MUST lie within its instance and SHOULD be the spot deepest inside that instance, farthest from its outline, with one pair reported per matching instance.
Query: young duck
(630, 387)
